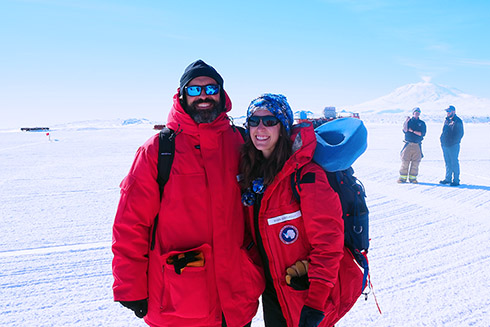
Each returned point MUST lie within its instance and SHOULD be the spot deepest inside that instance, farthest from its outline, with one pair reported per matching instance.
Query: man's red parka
(200, 210)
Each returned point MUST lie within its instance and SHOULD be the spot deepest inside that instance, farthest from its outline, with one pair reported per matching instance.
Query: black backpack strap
(166, 152)
(295, 184)
(243, 131)
(297, 180)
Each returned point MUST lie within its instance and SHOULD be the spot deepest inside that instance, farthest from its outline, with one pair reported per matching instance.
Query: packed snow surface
(430, 244)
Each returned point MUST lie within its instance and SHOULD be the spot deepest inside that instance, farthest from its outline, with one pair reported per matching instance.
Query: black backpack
(355, 212)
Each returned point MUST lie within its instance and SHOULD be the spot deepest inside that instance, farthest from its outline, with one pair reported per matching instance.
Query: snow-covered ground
(430, 244)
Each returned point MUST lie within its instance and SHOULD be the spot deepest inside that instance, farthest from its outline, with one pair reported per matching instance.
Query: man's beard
(201, 116)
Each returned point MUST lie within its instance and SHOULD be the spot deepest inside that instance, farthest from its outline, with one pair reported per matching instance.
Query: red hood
(304, 145)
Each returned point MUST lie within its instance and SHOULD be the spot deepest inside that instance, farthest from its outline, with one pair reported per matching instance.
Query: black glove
(310, 317)
(139, 307)
(300, 283)
(186, 259)
(297, 276)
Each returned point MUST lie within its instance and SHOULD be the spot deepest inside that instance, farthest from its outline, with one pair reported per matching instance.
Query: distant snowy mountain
(432, 100)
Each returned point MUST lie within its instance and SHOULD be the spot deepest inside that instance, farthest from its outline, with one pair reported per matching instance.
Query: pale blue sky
(69, 60)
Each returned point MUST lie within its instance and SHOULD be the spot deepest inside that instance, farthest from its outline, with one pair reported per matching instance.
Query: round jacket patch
(288, 234)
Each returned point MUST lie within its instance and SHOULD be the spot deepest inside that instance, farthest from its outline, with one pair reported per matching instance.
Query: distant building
(159, 126)
(34, 129)
(329, 112)
(344, 113)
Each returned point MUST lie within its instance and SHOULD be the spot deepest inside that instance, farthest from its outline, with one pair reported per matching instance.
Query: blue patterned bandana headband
(277, 104)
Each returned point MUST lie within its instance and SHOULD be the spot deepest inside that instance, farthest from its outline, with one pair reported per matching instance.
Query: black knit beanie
(196, 69)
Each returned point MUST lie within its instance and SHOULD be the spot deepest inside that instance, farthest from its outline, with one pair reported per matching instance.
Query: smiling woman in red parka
(301, 245)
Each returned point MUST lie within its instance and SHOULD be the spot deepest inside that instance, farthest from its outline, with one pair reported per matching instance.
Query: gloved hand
(297, 276)
(139, 307)
(186, 259)
(310, 317)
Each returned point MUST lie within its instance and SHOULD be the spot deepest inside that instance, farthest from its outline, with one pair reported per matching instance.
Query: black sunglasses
(267, 121)
(195, 90)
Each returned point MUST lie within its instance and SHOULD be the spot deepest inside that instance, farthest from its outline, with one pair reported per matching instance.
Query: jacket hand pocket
(187, 294)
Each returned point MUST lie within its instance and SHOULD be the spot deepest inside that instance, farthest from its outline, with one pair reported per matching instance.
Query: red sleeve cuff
(318, 294)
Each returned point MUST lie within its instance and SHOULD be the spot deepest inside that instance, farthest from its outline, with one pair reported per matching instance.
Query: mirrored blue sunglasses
(195, 90)
(267, 121)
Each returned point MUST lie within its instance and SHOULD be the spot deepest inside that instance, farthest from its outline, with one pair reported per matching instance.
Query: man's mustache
(205, 101)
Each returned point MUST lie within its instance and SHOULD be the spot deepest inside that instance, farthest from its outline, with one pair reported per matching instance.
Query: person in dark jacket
(452, 133)
(204, 269)
(414, 129)
(301, 244)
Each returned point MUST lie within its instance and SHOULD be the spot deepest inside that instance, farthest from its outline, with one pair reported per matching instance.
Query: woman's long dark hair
(253, 164)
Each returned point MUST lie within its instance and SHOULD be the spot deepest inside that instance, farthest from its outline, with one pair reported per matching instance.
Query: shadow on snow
(463, 186)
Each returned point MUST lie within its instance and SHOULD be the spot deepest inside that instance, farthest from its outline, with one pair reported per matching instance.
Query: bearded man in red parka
(202, 270)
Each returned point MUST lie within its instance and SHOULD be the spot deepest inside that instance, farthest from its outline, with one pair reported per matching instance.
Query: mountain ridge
(431, 98)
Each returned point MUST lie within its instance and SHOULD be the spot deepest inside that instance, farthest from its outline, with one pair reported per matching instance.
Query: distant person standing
(411, 154)
(452, 133)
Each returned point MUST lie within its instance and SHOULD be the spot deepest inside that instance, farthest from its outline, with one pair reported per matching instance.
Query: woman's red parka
(312, 230)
